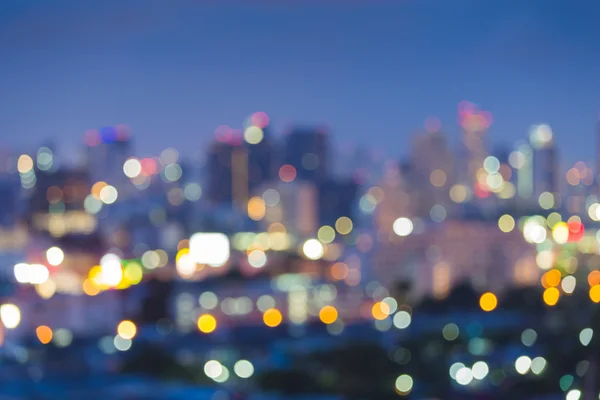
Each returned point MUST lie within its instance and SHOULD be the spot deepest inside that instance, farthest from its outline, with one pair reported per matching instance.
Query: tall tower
(307, 150)
(226, 158)
(474, 123)
(239, 162)
(521, 159)
(260, 150)
(107, 150)
(431, 170)
(239, 176)
(545, 162)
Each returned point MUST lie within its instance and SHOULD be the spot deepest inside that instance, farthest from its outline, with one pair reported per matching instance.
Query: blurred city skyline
(373, 73)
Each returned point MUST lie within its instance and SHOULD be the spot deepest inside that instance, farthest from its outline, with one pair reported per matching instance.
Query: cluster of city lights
(554, 235)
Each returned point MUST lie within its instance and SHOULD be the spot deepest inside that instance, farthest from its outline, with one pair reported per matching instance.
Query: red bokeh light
(287, 173)
(149, 166)
(481, 192)
(576, 231)
(223, 133)
(92, 137)
(260, 119)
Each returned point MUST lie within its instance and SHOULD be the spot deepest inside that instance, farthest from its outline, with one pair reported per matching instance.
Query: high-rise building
(107, 150)
(9, 199)
(56, 204)
(238, 162)
(307, 150)
(337, 198)
(293, 204)
(545, 162)
(261, 164)
(522, 160)
(431, 171)
(474, 123)
(221, 161)
(394, 199)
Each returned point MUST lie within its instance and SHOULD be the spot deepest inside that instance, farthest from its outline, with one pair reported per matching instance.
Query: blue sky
(371, 70)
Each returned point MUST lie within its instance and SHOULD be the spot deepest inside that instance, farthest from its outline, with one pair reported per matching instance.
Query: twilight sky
(371, 70)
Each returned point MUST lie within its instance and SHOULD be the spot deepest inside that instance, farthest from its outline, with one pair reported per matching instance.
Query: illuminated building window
(441, 280)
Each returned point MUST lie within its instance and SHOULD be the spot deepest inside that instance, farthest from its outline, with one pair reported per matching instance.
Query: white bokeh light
(10, 315)
(55, 256)
(403, 226)
(209, 248)
(312, 249)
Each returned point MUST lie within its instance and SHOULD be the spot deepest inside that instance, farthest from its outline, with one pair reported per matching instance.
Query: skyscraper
(545, 162)
(239, 162)
(522, 160)
(9, 197)
(107, 150)
(260, 149)
(307, 150)
(431, 171)
(220, 166)
(474, 123)
(337, 199)
(293, 204)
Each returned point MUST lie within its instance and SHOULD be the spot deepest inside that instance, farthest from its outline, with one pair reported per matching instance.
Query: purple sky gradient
(174, 70)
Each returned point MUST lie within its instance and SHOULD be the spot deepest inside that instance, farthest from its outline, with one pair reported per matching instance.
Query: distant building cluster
(274, 212)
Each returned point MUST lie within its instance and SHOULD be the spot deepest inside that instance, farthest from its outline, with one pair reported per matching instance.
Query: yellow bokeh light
(343, 225)
(272, 317)
(253, 135)
(551, 278)
(380, 310)
(560, 232)
(326, 234)
(133, 273)
(90, 287)
(546, 200)
(594, 278)
(339, 271)
(46, 289)
(328, 315)
(551, 296)
(126, 329)
(595, 293)
(95, 274)
(97, 188)
(437, 178)
(277, 227)
(24, 164)
(123, 284)
(207, 323)
(459, 193)
(553, 219)
(545, 259)
(181, 252)
(44, 334)
(256, 208)
(506, 223)
(488, 302)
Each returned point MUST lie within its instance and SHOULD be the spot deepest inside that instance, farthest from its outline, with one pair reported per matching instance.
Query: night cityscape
(266, 201)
